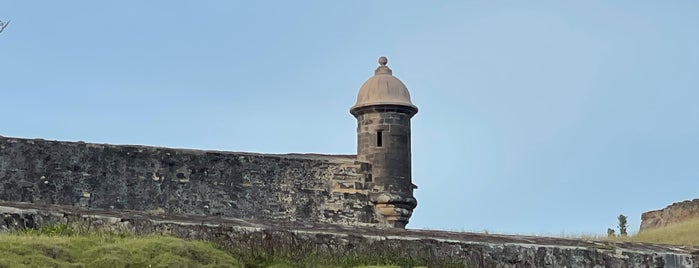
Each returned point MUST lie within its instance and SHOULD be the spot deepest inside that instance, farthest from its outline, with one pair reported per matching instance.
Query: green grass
(62, 246)
(102, 251)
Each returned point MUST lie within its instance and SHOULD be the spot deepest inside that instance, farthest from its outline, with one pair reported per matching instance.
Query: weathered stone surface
(296, 239)
(383, 89)
(675, 213)
(189, 182)
(383, 139)
(383, 111)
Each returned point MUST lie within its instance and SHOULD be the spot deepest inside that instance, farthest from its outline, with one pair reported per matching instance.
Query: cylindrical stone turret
(383, 111)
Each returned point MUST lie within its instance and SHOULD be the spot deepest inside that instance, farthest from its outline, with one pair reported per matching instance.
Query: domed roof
(383, 89)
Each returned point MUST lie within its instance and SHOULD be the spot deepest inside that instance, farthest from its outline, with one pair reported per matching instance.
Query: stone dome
(383, 89)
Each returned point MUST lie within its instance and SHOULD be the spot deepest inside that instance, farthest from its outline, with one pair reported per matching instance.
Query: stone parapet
(297, 240)
(675, 213)
(291, 187)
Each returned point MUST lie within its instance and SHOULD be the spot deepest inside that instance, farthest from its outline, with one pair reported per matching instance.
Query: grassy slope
(685, 233)
(106, 251)
(39, 249)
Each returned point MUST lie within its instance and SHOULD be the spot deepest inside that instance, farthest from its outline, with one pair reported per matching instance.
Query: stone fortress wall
(316, 188)
(373, 187)
(675, 213)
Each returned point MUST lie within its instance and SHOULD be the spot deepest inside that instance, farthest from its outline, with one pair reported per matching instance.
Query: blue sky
(536, 117)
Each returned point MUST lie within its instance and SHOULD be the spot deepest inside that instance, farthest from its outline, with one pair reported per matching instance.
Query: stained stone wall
(314, 188)
(672, 214)
(383, 139)
(391, 161)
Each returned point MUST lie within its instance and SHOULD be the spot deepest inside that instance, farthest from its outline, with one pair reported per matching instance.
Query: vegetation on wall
(109, 251)
(683, 233)
(622, 225)
(65, 246)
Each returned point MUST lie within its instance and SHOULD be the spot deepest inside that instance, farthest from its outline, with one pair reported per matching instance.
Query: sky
(536, 117)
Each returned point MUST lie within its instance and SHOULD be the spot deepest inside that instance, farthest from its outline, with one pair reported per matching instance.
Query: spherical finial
(383, 61)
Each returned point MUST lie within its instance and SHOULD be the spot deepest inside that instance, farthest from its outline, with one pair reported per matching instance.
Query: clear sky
(536, 117)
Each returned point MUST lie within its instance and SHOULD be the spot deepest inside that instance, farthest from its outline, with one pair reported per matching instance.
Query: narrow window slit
(379, 138)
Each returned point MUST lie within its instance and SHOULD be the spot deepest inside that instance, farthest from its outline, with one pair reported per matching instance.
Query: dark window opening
(379, 138)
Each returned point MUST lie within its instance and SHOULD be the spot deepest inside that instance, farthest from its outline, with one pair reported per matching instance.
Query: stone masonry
(675, 213)
(372, 188)
(316, 188)
(383, 111)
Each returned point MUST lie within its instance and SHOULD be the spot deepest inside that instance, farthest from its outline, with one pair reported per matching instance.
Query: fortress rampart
(317, 188)
(672, 214)
(373, 187)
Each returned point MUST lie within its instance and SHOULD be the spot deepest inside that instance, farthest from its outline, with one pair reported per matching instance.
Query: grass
(684, 233)
(62, 246)
(103, 251)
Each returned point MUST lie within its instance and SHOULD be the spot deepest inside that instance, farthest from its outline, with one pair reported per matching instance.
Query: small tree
(3, 24)
(622, 225)
(610, 232)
